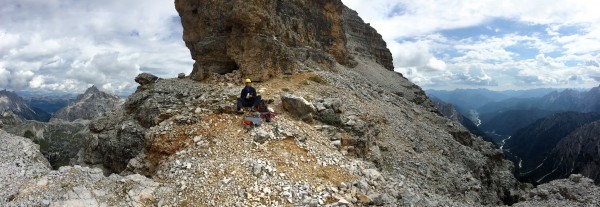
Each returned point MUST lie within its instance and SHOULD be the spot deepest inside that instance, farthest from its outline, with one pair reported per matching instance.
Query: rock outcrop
(20, 161)
(267, 38)
(298, 106)
(27, 180)
(573, 191)
(60, 142)
(88, 106)
(145, 79)
(124, 134)
(364, 41)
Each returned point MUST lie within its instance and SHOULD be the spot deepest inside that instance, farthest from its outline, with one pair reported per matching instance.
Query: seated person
(248, 96)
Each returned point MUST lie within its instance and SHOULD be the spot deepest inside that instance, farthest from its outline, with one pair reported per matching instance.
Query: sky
(69, 45)
(498, 45)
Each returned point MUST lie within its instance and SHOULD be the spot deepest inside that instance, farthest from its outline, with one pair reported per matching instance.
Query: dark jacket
(247, 90)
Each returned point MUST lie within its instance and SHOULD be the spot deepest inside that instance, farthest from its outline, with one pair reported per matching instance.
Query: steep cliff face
(27, 180)
(364, 41)
(264, 38)
(88, 106)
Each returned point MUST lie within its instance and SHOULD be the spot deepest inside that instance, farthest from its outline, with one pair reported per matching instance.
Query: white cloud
(428, 16)
(36, 82)
(435, 64)
(557, 53)
(70, 44)
(587, 42)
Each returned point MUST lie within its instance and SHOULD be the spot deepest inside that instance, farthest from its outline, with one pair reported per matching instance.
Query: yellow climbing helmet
(247, 80)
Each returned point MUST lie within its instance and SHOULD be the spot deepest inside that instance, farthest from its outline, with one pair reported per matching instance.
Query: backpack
(262, 106)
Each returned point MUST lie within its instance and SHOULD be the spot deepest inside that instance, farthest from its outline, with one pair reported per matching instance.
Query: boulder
(298, 106)
(181, 75)
(145, 78)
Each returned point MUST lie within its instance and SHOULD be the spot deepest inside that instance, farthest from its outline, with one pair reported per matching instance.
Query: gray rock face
(262, 39)
(364, 41)
(573, 191)
(122, 135)
(20, 161)
(10, 119)
(88, 106)
(82, 186)
(298, 106)
(114, 140)
(145, 78)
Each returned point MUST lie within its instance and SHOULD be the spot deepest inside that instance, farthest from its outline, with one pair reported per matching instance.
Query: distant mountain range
(88, 106)
(48, 102)
(468, 99)
(508, 122)
(576, 153)
(60, 139)
(530, 147)
(503, 112)
(11, 102)
(547, 136)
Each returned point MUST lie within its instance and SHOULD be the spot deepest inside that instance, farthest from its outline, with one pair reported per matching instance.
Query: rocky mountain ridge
(450, 112)
(89, 105)
(530, 146)
(575, 153)
(61, 139)
(11, 102)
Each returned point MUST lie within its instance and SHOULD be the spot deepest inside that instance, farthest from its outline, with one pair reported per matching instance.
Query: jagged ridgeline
(357, 134)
